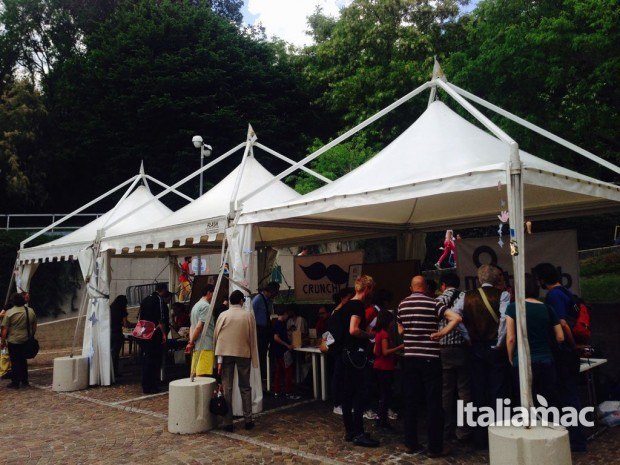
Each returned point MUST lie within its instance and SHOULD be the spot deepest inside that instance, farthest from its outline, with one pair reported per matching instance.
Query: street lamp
(205, 151)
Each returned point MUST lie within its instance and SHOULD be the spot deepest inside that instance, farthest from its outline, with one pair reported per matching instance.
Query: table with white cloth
(319, 381)
(586, 365)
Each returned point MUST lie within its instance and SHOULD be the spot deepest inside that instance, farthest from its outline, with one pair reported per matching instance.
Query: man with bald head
(418, 321)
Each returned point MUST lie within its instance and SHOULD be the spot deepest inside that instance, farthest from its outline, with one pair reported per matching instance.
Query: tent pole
(180, 194)
(248, 146)
(84, 302)
(337, 140)
(178, 183)
(12, 280)
(209, 315)
(476, 113)
(517, 251)
(70, 215)
(125, 195)
(292, 162)
(536, 129)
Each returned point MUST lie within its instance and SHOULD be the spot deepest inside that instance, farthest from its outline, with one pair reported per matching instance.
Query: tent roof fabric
(69, 245)
(442, 171)
(207, 215)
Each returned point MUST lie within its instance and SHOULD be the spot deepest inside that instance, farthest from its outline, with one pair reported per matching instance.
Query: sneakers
(292, 396)
(438, 266)
(364, 440)
(338, 410)
(392, 415)
(370, 415)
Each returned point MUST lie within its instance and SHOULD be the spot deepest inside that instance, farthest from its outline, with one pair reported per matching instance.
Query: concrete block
(188, 405)
(511, 445)
(70, 373)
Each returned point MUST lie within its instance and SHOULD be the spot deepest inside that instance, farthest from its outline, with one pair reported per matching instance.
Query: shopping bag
(5, 362)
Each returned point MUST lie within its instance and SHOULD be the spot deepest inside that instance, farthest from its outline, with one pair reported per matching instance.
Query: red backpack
(582, 333)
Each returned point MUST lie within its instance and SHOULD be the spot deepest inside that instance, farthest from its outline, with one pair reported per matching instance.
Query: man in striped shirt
(418, 321)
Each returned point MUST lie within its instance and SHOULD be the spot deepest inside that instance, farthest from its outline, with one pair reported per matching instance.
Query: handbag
(218, 404)
(5, 362)
(30, 348)
(144, 330)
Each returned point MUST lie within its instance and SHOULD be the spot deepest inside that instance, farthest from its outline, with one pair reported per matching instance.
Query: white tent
(206, 217)
(443, 171)
(135, 208)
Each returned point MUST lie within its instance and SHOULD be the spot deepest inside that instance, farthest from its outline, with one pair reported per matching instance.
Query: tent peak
(438, 71)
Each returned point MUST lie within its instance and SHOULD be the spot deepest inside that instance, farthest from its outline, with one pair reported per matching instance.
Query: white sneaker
(392, 415)
(338, 410)
(292, 396)
(370, 415)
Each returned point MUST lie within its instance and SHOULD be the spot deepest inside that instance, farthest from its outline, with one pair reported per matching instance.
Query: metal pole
(202, 158)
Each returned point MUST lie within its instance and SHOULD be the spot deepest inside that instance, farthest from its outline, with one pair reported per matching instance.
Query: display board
(201, 281)
(319, 277)
(394, 277)
(557, 247)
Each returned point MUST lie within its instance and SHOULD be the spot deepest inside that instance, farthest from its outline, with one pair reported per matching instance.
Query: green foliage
(554, 63)
(603, 288)
(52, 284)
(21, 115)
(333, 164)
(374, 53)
(605, 264)
(152, 76)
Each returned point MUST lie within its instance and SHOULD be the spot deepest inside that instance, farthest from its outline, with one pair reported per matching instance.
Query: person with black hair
(154, 308)
(562, 301)
(235, 349)
(118, 321)
(334, 326)
(15, 333)
(262, 304)
(455, 360)
(384, 365)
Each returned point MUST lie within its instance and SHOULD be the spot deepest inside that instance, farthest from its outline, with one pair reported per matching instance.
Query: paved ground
(119, 425)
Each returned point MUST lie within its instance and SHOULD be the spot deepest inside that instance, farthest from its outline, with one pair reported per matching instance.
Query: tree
(151, 77)
(554, 63)
(373, 54)
(21, 116)
(334, 163)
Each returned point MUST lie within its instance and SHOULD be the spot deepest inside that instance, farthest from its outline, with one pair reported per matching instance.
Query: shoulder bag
(31, 346)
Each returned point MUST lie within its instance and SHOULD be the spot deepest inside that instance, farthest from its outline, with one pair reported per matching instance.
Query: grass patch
(605, 264)
(601, 288)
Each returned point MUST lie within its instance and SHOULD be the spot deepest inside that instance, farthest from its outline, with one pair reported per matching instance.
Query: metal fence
(136, 294)
(33, 220)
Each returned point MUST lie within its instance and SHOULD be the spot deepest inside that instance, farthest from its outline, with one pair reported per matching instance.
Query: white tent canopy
(134, 218)
(207, 216)
(442, 171)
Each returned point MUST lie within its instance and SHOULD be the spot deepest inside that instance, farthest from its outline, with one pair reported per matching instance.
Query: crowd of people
(442, 344)
(447, 345)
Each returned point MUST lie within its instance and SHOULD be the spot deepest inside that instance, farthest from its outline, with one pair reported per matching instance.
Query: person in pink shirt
(449, 247)
(384, 365)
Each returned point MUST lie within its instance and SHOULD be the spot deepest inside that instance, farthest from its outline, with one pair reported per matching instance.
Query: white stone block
(70, 373)
(188, 405)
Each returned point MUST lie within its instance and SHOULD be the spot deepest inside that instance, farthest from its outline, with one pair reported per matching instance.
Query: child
(278, 349)
(384, 365)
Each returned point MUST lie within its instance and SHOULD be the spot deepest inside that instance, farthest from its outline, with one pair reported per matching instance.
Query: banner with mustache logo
(318, 277)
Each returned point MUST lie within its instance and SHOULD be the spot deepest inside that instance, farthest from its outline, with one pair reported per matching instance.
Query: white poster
(558, 248)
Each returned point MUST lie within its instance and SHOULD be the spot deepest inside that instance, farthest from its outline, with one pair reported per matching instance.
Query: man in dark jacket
(154, 308)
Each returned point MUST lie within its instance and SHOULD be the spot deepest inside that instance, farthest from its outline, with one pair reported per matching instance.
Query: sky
(287, 18)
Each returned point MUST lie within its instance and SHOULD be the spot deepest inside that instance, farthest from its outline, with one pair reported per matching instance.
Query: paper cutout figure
(93, 319)
(500, 243)
(503, 216)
